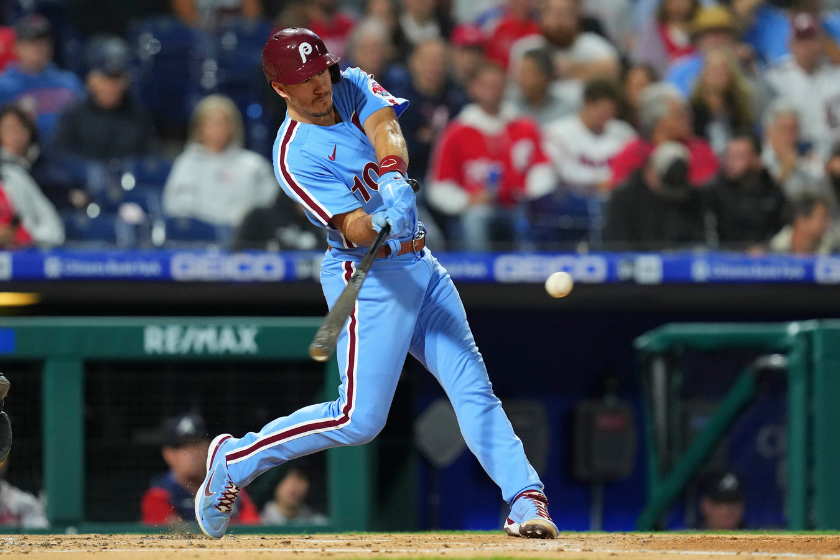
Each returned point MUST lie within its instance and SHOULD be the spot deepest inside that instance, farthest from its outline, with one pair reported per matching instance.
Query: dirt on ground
(422, 545)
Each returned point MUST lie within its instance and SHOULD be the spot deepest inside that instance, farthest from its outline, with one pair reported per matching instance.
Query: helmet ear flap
(335, 74)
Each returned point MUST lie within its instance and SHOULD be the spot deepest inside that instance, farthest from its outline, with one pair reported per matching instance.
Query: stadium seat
(149, 170)
(181, 231)
(79, 227)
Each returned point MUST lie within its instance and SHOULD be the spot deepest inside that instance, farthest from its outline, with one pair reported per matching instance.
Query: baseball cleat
(529, 517)
(217, 494)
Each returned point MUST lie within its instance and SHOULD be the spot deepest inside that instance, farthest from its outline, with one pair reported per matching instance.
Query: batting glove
(402, 223)
(396, 192)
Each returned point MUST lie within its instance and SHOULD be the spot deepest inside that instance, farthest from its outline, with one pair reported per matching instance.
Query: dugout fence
(62, 365)
(809, 355)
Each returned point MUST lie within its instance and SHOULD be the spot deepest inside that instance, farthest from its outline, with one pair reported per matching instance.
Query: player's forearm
(383, 131)
(356, 227)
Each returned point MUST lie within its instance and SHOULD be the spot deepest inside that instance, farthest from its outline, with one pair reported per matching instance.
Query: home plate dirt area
(421, 545)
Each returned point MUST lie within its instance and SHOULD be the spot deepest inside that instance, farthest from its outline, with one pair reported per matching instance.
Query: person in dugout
(169, 500)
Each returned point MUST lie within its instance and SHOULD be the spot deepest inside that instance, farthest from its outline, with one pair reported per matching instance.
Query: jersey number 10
(367, 183)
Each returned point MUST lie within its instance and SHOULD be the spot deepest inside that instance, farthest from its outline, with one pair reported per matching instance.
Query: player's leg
(444, 344)
(371, 352)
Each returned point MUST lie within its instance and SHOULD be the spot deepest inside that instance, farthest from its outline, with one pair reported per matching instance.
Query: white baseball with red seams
(559, 284)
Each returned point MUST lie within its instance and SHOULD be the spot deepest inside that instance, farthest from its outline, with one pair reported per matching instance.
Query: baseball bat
(327, 336)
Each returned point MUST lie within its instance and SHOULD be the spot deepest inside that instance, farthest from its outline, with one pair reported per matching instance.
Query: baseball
(559, 284)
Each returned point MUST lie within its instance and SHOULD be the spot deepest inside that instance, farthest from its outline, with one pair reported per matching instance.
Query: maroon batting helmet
(294, 55)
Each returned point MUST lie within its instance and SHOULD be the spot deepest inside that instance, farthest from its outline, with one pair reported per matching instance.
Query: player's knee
(363, 430)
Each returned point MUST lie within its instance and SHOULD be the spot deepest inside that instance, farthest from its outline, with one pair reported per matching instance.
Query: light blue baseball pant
(407, 304)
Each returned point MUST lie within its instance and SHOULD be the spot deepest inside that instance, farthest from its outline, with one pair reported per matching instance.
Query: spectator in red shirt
(664, 117)
(171, 497)
(486, 161)
(332, 25)
(518, 22)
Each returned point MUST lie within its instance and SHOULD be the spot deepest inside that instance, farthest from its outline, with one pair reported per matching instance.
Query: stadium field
(662, 546)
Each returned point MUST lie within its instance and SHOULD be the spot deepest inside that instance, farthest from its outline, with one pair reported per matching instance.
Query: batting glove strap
(396, 192)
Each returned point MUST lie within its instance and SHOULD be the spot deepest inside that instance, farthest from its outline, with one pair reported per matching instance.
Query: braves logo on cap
(305, 49)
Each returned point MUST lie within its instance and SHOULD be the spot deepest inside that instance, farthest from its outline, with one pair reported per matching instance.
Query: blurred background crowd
(534, 124)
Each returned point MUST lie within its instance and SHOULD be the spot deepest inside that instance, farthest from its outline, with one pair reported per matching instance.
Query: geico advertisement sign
(237, 267)
(175, 339)
(536, 268)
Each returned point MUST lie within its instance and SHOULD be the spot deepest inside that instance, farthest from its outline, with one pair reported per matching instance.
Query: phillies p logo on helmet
(305, 49)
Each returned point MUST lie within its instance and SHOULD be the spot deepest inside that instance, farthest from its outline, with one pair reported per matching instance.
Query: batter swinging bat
(327, 336)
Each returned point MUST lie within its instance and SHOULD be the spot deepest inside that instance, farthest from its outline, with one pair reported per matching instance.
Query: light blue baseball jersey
(408, 304)
(331, 170)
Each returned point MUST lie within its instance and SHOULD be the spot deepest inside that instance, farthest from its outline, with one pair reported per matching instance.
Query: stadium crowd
(534, 124)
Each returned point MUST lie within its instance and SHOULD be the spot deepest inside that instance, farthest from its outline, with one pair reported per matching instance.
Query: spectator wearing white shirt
(19, 509)
(581, 146)
(216, 180)
(577, 55)
(796, 170)
(811, 81)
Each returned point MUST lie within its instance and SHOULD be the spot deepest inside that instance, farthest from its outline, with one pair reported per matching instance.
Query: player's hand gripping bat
(327, 336)
(5, 426)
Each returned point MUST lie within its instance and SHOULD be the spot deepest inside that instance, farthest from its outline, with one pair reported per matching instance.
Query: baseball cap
(109, 55)
(805, 26)
(183, 429)
(467, 35)
(32, 27)
(723, 486)
(713, 18)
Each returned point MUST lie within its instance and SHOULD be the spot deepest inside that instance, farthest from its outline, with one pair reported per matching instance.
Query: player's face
(312, 98)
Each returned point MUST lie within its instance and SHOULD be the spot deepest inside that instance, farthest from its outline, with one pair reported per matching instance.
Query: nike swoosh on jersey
(332, 157)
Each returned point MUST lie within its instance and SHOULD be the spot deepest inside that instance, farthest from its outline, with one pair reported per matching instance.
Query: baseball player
(341, 155)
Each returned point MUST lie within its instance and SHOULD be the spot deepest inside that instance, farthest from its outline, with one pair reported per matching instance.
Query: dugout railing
(808, 351)
(65, 345)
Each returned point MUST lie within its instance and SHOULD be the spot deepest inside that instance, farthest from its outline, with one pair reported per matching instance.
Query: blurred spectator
(7, 46)
(171, 497)
(748, 204)
(34, 82)
(288, 505)
(636, 79)
(712, 27)
(26, 216)
(370, 48)
(722, 503)
(537, 99)
(664, 117)
(18, 509)
(657, 207)
(209, 13)
(581, 146)
(466, 51)
(433, 100)
(791, 163)
(811, 81)
(721, 101)
(420, 21)
(616, 19)
(809, 230)
(666, 38)
(767, 24)
(330, 23)
(486, 161)
(19, 145)
(281, 226)
(517, 22)
(216, 180)
(577, 55)
(105, 124)
(832, 180)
